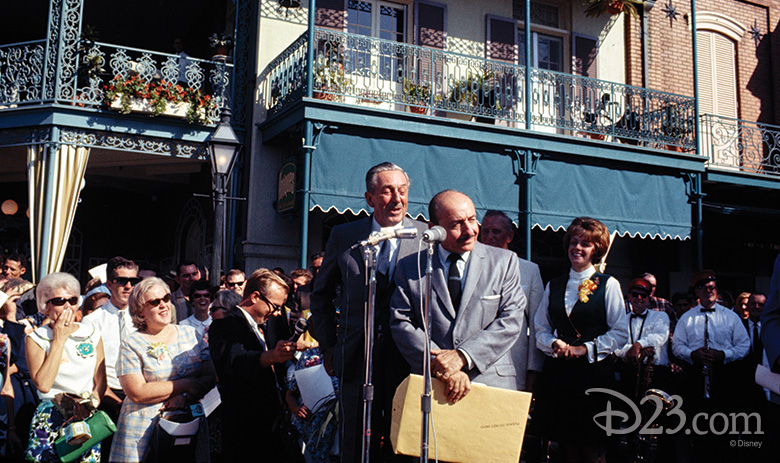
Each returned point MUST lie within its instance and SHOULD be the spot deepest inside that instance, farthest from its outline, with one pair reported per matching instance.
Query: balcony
(740, 146)
(30, 78)
(364, 71)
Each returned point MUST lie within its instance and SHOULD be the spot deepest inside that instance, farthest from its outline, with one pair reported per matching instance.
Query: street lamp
(223, 151)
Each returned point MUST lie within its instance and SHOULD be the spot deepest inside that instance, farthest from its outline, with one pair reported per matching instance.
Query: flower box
(144, 106)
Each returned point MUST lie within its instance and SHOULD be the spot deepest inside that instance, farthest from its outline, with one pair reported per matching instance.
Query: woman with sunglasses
(63, 356)
(579, 322)
(161, 366)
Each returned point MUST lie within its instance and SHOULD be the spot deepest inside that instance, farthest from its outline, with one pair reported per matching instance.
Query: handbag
(100, 427)
(179, 435)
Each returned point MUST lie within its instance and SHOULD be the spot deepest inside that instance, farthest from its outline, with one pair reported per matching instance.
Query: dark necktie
(758, 346)
(453, 280)
(642, 315)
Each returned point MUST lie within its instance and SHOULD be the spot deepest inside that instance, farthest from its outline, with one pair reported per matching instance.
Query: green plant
(329, 74)
(676, 123)
(476, 90)
(416, 93)
(599, 7)
(158, 95)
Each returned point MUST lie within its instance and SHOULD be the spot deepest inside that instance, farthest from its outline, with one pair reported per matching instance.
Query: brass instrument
(644, 375)
(646, 444)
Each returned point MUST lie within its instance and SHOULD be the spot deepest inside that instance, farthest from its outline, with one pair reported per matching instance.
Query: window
(377, 19)
(546, 51)
(382, 20)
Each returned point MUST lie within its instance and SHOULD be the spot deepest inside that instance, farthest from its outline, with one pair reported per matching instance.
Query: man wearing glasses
(245, 366)
(200, 298)
(234, 281)
(115, 322)
(648, 336)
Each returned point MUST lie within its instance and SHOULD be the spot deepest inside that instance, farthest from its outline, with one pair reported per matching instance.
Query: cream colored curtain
(54, 182)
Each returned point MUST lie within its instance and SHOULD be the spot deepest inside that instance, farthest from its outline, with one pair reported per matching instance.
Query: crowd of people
(144, 348)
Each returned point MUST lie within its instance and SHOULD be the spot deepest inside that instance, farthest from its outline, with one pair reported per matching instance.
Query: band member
(710, 338)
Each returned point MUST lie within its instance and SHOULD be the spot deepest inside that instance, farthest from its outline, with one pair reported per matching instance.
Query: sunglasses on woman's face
(156, 302)
(60, 301)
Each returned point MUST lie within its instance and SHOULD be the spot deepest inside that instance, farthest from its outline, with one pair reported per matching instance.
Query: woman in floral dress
(161, 366)
(580, 321)
(63, 357)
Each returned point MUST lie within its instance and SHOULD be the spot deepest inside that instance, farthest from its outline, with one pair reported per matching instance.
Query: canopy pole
(308, 141)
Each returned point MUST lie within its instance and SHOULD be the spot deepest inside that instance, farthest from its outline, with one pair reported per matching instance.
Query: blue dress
(179, 359)
(318, 430)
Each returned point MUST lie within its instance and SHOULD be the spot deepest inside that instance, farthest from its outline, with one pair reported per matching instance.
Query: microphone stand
(369, 258)
(425, 399)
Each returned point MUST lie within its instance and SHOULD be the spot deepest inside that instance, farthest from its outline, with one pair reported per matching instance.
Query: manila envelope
(486, 426)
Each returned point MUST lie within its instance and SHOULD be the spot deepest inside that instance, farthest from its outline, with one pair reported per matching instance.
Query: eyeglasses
(234, 284)
(199, 295)
(123, 281)
(274, 307)
(638, 295)
(60, 301)
(214, 308)
(156, 302)
(708, 288)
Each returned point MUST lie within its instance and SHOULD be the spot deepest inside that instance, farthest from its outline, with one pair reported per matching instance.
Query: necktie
(758, 346)
(642, 315)
(122, 325)
(383, 259)
(453, 280)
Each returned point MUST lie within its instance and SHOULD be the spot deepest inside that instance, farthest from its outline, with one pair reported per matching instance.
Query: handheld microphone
(300, 327)
(435, 234)
(377, 237)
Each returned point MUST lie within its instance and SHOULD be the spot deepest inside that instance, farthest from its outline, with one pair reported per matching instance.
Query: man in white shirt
(711, 338)
(200, 298)
(115, 322)
(648, 336)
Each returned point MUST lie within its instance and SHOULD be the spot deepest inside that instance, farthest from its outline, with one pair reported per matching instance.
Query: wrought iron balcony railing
(356, 69)
(24, 81)
(734, 144)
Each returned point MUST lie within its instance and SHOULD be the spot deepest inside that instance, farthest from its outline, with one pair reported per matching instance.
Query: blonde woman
(63, 356)
(161, 366)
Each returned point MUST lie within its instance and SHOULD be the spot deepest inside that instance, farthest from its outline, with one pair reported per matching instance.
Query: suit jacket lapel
(475, 268)
(440, 284)
(361, 233)
(244, 322)
(406, 247)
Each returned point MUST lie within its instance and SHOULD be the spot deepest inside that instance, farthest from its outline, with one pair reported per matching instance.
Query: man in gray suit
(497, 231)
(476, 309)
(340, 283)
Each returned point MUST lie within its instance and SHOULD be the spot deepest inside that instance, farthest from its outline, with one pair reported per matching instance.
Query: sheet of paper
(211, 401)
(765, 378)
(315, 386)
(486, 426)
(99, 272)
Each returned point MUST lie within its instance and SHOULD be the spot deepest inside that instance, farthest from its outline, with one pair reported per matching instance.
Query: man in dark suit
(251, 401)
(341, 282)
(476, 309)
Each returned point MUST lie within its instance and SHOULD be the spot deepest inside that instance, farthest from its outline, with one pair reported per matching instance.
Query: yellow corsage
(158, 350)
(586, 288)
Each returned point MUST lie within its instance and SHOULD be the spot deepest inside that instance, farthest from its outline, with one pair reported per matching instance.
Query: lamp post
(223, 150)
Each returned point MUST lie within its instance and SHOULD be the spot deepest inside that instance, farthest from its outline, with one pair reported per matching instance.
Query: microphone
(377, 237)
(300, 327)
(435, 234)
